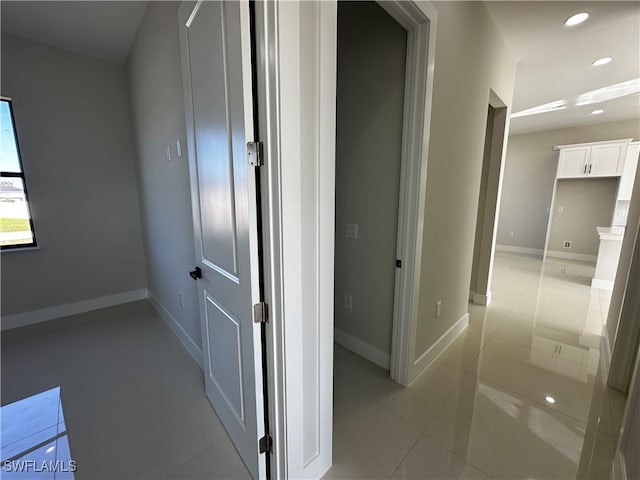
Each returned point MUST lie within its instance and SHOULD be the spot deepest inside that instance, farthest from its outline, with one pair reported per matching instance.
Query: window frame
(34, 243)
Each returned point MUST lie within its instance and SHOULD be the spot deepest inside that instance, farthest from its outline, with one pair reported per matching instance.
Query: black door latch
(196, 274)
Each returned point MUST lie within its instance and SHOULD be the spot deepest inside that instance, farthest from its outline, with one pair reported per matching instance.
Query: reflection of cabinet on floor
(565, 359)
(602, 159)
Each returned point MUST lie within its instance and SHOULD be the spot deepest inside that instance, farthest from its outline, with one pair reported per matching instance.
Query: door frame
(296, 90)
(489, 201)
(420, 20)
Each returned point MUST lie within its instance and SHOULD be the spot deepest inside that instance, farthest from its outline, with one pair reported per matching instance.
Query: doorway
(371, 64)
(488, 202)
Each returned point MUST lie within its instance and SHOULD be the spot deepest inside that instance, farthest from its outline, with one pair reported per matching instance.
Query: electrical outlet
(563, 271)
(348, 301)
(511, 234)
(181, 297)
(438, 308)
(566, 244)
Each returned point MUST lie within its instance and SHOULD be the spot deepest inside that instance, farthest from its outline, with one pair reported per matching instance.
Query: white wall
(586, 204)
(72, 121)
(157, 110)
(471, 58)
(370, 95)
(530, 170)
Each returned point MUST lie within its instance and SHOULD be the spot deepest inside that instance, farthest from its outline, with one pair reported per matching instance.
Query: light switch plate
(351, 231)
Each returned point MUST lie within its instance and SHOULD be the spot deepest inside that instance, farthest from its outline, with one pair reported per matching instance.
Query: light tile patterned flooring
(480, 411)
(133, 399)
(134, 403)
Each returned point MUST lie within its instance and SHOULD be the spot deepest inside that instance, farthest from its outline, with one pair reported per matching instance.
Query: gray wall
(370, 95)
(471, 60)
(157, 110)
(586, 204)
(72, 120)
(530, 170)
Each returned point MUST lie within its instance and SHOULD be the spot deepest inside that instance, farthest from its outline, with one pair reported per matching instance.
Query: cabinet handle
(590, 169)
(585, 169)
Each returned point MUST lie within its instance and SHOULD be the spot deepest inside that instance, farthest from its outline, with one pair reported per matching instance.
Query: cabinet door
(607, 160)
(573, 162)
(629, 172)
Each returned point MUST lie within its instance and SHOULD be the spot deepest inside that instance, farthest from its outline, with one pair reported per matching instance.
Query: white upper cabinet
(607, 160)
(601, 159)
(573, 162)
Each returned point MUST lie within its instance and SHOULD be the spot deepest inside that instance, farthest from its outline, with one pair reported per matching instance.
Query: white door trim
(419, 19)
(296, 61)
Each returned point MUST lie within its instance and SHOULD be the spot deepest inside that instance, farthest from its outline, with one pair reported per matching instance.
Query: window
(16, 227)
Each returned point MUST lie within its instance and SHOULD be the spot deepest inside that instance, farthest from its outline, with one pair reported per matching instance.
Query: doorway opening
(488, 202)
(371, 64)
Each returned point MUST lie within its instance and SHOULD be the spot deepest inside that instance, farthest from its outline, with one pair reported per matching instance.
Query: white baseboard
(187, 342)
(44, 314)
(427, 358)
(480, 299)
(538, 252)
(362, 348)
(619, 470)
(571, 256)
(602, 284)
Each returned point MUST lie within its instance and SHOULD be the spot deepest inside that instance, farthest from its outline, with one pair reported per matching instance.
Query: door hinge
(260, 313)
(265, 444)
(398, 263)
(255, 155)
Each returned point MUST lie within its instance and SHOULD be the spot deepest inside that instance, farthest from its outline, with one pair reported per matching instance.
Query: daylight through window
(16, 227)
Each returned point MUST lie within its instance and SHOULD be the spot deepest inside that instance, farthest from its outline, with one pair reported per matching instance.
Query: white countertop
(611, 233)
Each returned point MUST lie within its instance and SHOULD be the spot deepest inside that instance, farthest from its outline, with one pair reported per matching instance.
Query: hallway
(517, 395)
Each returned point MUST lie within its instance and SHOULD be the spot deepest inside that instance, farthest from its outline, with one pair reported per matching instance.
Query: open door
(216, 65)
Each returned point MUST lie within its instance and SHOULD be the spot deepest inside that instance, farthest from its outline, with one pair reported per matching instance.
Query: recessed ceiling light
(597, 112)
(576, 19)
(602, 61)
(550, 399)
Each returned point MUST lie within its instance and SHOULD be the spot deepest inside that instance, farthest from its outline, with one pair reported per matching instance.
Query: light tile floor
(134, 403)
(481, 410)
(133, 399)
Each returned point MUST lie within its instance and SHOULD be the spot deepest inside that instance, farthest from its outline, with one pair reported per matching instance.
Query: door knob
(196, 274)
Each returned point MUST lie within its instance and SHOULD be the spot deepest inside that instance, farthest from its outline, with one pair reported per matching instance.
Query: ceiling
(100, 29)
(554, 60)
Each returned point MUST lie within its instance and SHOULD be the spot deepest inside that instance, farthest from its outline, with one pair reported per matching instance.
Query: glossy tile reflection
(518, 395)
(33, 438)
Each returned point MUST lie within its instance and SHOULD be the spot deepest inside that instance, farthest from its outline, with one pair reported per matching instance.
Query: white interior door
(216, 64)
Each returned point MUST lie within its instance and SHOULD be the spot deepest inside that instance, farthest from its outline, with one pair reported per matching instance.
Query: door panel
(225, 359)
(217, 81)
